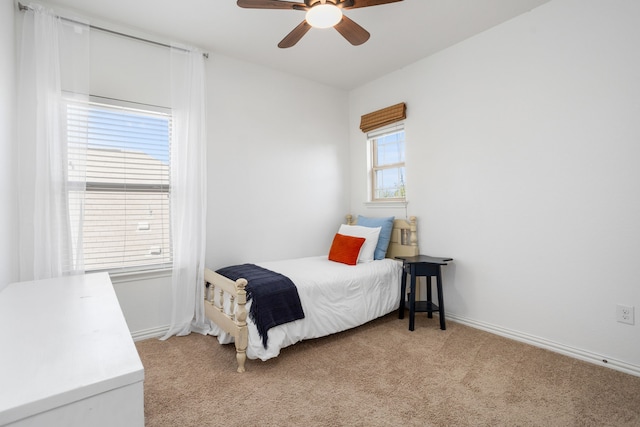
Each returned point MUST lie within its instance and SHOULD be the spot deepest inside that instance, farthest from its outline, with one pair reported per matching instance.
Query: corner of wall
(8, 194)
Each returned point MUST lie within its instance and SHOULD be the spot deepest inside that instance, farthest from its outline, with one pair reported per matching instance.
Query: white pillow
(371, 239)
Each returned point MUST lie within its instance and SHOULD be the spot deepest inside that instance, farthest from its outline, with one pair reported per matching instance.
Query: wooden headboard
(404, 237)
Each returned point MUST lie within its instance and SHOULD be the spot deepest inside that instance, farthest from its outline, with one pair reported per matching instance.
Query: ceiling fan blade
(345, 4)
(295, 35)
(353, 4)
(354, 33)
(271, 4)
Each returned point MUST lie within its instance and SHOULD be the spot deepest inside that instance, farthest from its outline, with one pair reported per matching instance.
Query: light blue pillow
(385, 232)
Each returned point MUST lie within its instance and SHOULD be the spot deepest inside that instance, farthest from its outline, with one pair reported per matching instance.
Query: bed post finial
(349, 219)
(413, 239)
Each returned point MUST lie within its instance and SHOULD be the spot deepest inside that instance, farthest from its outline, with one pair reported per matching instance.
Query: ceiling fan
(320, 14)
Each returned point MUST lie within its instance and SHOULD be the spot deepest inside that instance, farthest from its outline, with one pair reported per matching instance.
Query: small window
(387, 169)
(125, 206)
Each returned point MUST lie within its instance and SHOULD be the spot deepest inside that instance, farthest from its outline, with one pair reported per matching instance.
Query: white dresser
(66, 356)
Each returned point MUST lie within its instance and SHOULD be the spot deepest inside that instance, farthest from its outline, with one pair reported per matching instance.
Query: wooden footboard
(229, 313)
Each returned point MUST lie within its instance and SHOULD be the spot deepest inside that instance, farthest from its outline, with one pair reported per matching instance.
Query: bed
(335, 296)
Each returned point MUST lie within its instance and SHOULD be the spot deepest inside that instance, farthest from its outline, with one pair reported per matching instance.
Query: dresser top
(63, 340)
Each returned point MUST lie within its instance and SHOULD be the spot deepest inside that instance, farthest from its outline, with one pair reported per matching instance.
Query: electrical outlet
(625, 314)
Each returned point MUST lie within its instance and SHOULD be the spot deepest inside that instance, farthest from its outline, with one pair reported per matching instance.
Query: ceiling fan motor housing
(312, 3)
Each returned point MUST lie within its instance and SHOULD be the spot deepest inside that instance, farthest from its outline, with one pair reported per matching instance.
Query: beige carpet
(380, 374)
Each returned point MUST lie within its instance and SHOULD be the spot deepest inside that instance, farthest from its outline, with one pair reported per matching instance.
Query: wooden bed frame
(404, 242)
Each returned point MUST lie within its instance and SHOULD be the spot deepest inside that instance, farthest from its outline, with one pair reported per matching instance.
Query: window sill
(390, 204)
(133, 276)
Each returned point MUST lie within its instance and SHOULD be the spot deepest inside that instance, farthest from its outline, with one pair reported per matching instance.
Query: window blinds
(383, 117)
(126, 223)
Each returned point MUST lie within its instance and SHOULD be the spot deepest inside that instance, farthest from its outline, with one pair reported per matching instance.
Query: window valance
(383, 117)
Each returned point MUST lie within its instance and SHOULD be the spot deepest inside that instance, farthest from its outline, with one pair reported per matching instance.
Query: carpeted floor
(380, 374)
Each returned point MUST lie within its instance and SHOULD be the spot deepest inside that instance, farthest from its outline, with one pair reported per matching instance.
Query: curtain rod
(24, 8)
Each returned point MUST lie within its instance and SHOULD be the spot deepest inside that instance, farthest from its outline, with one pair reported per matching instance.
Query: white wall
(8, 196)
(278, 153)
(523, 153)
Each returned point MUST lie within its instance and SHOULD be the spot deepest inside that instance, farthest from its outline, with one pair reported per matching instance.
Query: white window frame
(162, 268)
(373, 167)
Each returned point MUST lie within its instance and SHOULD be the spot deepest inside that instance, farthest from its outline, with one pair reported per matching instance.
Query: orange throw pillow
(345, 249)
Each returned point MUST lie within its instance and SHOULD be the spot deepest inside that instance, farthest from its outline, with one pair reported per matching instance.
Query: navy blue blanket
(275, 297)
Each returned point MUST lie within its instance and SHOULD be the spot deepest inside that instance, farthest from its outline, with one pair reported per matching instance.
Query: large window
(386, 160)
(123, 151)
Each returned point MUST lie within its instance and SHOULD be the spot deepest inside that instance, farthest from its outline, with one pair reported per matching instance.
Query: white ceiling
(401, 33)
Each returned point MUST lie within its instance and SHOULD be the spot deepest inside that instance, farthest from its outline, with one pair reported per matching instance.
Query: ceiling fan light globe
(323, 15)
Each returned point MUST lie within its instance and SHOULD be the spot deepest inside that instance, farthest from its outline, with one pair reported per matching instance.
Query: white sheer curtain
(188, 191)
(54, 57)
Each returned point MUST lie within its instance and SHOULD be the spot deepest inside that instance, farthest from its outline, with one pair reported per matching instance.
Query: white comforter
(334, 296)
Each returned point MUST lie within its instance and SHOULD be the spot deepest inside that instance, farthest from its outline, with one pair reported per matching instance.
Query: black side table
(427, 266)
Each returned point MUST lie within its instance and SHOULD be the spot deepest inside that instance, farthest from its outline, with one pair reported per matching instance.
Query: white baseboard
(550, 345)
(149, 333)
